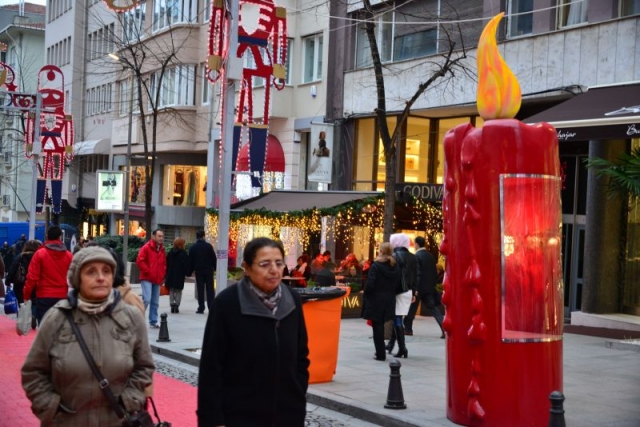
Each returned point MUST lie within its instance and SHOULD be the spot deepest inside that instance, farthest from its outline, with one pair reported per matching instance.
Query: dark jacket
(408, 265)
(254, 365)
(380, 292)
(202, 256)
(427, 273)
(177, 268)
(47, 273)
(12, 275)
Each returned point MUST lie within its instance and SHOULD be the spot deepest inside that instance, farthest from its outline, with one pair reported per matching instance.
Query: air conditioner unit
(6, 200)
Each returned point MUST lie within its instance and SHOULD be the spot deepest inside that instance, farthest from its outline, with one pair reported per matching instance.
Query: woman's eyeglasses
(266, 264)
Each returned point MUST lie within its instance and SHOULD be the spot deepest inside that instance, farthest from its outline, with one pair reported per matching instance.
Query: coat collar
(251, 305)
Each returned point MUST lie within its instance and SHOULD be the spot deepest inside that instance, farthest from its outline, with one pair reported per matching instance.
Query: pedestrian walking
(254, 364)
(56, 376)
(178, 266)
(408, 265)
(203, 263)
(47, 274)
(152, 263)
(379, 304)
(17, 272)
(426, 288)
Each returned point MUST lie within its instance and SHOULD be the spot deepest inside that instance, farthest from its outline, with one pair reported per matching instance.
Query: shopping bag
(10, 302)
(164, 290)
(23, 325)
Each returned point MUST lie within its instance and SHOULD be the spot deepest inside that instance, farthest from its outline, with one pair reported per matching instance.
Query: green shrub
(115, 243)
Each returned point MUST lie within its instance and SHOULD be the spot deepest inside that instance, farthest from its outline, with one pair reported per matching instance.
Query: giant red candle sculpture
(503, 284)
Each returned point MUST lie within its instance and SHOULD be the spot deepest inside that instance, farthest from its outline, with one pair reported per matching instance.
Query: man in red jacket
(47, 273)
(152, 263)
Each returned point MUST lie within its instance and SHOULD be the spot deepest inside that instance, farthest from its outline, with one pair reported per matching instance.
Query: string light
(354, 222)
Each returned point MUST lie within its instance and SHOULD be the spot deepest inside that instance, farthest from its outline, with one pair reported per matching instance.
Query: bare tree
(144, 59)
(450, 62)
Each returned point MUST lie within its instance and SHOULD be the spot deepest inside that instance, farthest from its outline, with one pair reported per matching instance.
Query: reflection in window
(520, 17)
(572, 12)
(184, 185)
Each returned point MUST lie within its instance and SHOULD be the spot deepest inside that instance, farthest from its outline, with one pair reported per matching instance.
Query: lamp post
(127, 186)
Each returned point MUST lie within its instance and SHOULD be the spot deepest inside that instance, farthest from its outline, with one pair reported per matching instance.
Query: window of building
(206, 12)
(629, 7)
(206, 85)
(137, 185)
(251, 63)
(133, 23)
(384, 37)
(312, 66)
(171, 12)
(178, 86)
(184, 185)
(520, 17)
(416, 148)
(571, 12)
(364, 153)
(124, 97)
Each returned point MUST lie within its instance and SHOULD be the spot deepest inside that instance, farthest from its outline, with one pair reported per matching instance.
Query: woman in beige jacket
(56, 376)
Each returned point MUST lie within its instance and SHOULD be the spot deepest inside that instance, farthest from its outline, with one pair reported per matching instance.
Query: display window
(184, 185)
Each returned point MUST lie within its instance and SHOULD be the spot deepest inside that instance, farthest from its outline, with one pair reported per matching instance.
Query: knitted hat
(82, 258)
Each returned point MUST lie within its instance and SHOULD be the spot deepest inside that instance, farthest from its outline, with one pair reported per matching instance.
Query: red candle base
(503, 284)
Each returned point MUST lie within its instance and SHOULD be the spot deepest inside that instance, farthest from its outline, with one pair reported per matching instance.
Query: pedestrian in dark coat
(178, 267)
(203, 263)
(380, 295)
(22, 261)
(427, 280)
(254, 364)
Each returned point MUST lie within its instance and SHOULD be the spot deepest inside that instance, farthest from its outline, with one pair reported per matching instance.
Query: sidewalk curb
(322, 399)
(179, 356)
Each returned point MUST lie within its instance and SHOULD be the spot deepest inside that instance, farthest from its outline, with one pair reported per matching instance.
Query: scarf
(270, 301)
(92, 307)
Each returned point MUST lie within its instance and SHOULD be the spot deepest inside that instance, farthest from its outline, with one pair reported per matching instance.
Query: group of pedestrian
(397, 281)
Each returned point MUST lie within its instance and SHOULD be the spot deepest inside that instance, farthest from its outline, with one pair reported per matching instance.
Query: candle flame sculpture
(503, 282)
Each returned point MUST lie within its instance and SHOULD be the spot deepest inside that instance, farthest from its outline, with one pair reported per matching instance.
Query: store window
(381, 175)
(138, 184)
(364, 155)
(444, 126)
(184, 185)
(417, 156)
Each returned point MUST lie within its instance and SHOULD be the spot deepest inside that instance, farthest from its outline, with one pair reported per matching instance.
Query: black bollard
(556, 412)
(163, 335)
(395, 398)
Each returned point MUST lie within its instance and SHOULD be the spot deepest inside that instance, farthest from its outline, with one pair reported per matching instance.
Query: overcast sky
(5, 2)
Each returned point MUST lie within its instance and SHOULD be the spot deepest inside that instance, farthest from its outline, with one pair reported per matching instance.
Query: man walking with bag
(203, 263)
(152, 263)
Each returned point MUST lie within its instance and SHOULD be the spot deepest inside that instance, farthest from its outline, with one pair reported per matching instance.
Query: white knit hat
(85, 256)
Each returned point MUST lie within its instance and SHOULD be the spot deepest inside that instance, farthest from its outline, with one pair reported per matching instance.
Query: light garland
(366, 214)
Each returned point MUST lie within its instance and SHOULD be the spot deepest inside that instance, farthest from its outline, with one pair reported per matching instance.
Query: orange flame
(498, 95)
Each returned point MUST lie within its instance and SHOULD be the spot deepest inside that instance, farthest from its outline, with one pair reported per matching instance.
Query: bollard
(395, 398)
(556, 412)
(163, 335)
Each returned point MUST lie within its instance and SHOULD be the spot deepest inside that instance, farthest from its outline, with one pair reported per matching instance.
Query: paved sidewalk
(601, 385)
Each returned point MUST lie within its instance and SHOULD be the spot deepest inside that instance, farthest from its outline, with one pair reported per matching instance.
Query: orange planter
(322, 318)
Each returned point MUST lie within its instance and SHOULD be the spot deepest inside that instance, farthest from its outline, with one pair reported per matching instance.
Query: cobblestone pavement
(316, 415)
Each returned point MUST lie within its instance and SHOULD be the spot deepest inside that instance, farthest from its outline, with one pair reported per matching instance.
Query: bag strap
(104, 383)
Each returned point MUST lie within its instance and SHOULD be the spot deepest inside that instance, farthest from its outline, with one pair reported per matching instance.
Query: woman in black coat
(380, 295)
(177, 268)
(254, 363)
(14, 278)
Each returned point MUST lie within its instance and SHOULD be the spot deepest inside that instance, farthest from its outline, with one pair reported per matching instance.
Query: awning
(603, 112)
(275, 156)
(94, 146)
(285, 201)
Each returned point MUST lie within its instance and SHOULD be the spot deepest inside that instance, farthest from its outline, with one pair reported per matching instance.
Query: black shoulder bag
(140, 418)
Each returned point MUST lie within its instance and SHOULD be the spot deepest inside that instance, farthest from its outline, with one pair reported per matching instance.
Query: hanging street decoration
(121, 5)
(7, 78)
(56, 136)
(262, 45)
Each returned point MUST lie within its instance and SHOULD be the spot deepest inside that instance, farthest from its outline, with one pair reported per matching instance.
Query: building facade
(558, 50)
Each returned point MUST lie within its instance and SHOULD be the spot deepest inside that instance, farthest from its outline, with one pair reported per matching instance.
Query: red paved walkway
(176, 401)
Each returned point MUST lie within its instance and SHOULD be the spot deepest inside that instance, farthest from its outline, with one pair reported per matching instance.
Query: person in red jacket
(152, 263)
(47, 274)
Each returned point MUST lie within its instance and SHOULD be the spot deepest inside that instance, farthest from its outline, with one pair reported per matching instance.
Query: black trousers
(43, 305)
(428, 300)
(378, 338)
(204, 284)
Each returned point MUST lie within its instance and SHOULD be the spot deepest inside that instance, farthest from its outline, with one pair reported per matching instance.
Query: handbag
(140, 418)
(23, 325)
(164, 290)
(10, 302)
